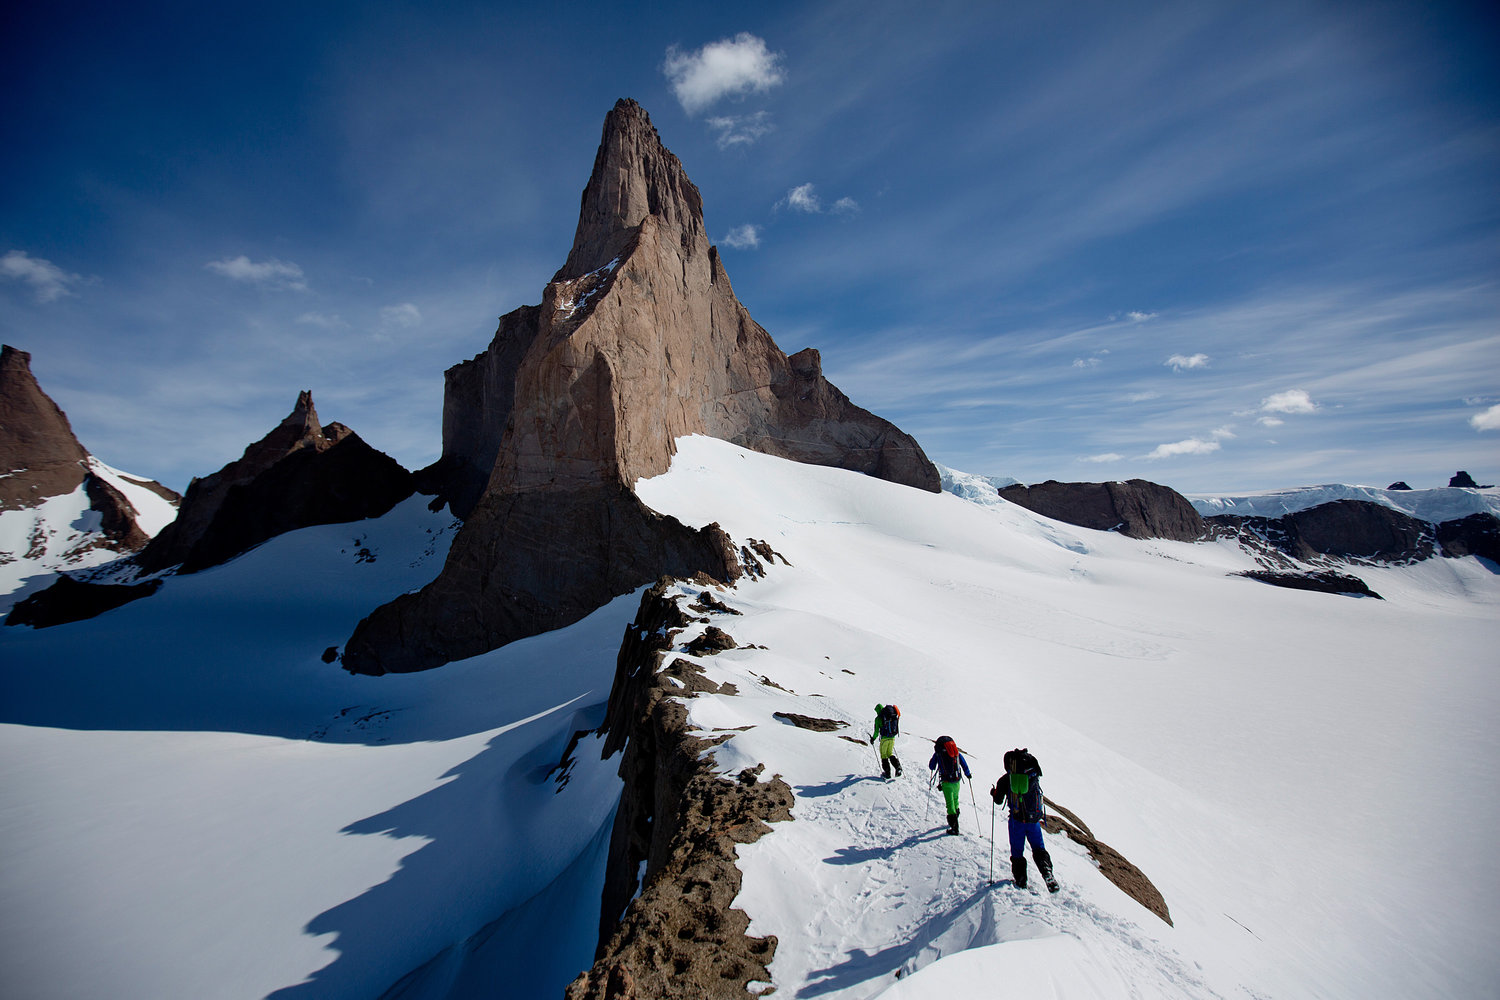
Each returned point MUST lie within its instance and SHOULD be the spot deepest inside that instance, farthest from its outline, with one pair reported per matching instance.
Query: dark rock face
(37, 446)
(639, 340)
(68, 600)
(1112, 864)
(1463, 479)
(117, 516)
(545, 559)
(1475, 535)
(1349, 530)
(298, 475)
(1399, 484)
(680, 937)
(1137, 508)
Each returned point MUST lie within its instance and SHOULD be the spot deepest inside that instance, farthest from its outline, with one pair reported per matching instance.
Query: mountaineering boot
(953, 824)
(1018, 872)
(897, 762)
(1044, 865)
(885, 768)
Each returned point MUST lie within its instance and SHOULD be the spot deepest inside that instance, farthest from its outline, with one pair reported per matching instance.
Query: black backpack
(1022, 761)
(890, 721)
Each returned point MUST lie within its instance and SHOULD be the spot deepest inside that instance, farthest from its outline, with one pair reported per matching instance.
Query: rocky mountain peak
(39, 455)
(634, 176)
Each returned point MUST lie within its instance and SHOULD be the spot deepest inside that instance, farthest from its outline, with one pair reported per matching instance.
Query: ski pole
(972, 801)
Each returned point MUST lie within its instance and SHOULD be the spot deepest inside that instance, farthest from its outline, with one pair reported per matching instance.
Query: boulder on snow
(1324, 582)
(1136, 508)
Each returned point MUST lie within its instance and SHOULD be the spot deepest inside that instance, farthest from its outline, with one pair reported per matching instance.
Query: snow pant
(888, 755)
(1020, 833)
(950, 795)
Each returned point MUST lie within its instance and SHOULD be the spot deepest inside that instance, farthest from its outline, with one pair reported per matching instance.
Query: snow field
(1242, 744)
(193, 804)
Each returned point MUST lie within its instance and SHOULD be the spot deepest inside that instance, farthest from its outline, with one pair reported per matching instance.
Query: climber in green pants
(948, 763)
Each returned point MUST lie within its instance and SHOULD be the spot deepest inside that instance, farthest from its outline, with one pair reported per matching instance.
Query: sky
(1220, 246)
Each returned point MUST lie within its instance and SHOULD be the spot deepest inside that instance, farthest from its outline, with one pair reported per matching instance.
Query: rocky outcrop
(1136, 508)
(639, 339)
(1345, 530)
(1322, 582)
(39, 455)
(70, 600)
(1399, 484)
(1463, 480)
(1112, 864)
(679, 935)
(1475, 535)
(40, 458)
(300, 474)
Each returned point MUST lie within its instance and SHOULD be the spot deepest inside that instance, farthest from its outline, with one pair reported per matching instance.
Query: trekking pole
(992, 842)
(930, 780)
(972, 801)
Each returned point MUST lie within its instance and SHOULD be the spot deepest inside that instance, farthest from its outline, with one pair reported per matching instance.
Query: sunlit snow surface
(192, 804)
(1307, 778)
(1438, 505)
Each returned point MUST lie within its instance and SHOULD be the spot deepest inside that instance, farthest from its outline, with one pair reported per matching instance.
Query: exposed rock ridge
(39, 455)
(679, 937)
(638, 340)
(298, 475)
(1137, 508)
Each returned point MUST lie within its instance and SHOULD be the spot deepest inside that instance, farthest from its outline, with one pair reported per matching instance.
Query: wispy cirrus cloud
(269, 273)
(730, 67)
(48, 281)
(328, 321)
(1186, 362)
(746, 237)
(404, 316)
(740, 130)
(1103, 459)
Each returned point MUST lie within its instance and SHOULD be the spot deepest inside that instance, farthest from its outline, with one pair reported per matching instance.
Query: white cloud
(1141, 397)
(1182, 362)
(1087, 362)
(1291, 401)
(1108, 456)
(272, 273)
(1489, 420)
(404, 316)
(1136, 316)
(328, 321)
(1270, 421)
(845, 206)
(740, 130)
(803, 199)
(1192, 446)
(746, 237)
(729, 67)
(49, 281)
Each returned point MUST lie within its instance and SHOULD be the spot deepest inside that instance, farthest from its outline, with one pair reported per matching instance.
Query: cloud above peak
(46, 279)
(730, 67)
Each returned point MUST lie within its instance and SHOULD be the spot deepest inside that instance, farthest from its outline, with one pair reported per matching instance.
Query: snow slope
(1254, 750)
(1438, 505)
(193, 804)
(61, 534)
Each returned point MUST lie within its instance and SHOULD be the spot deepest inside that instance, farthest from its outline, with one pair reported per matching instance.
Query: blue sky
(1219, 246)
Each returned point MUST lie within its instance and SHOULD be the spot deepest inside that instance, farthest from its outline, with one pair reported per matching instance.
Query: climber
(1021, 789)
(887, 725)
(947, 761)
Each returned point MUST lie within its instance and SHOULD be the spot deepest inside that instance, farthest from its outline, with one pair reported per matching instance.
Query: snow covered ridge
(1446, 504)
(66, 533)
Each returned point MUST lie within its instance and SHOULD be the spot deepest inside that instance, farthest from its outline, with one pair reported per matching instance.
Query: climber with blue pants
(951, 769)
(1020, 788)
